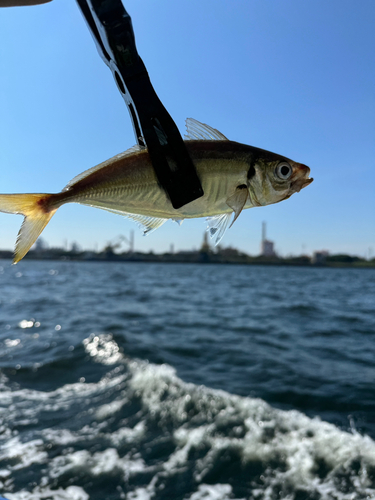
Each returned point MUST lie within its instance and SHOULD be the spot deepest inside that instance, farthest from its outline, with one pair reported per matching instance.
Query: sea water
(177, 381)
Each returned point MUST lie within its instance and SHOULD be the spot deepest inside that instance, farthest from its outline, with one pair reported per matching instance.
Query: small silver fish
(234, 176)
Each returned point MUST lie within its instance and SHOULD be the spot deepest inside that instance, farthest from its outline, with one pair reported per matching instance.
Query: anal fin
(146, 223)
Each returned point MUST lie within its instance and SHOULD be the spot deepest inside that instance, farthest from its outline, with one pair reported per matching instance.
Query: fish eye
(284, 170)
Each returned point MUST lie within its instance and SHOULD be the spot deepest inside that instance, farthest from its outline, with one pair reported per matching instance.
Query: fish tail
(37, 211)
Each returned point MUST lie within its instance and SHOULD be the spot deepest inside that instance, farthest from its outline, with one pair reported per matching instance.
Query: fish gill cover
(140, 432)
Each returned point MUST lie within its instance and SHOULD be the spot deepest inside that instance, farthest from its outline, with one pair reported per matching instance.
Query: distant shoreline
(223, 256)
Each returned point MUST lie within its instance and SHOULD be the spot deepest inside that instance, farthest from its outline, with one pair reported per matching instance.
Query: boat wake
(142, 433)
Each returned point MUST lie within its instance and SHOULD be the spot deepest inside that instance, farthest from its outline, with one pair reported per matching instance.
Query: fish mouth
(305, 183)
(302, 178)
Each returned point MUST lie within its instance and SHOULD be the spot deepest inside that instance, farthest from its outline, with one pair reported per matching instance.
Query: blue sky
(296, 78)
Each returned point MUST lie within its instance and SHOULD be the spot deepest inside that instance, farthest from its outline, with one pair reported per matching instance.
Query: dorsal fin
(197, 131)
(82, 175)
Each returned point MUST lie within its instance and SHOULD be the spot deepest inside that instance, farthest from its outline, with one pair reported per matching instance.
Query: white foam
(288, 438)
(107, 461)
(30, 403)
(191, 418)
(71, 493)
(140, 494)
(109, 409)
(62, 436)
(128, 434)
(186, 440)
(24, 454)
(103, 349)
(5, 479)
(213, 492)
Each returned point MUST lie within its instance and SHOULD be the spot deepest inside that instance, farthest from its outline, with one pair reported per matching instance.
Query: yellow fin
(36, 218)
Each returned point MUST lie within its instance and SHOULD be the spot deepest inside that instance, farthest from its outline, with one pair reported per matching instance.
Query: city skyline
(295, 79)
(123, 243)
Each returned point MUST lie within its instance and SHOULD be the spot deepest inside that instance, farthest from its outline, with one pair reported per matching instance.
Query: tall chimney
(263, 232)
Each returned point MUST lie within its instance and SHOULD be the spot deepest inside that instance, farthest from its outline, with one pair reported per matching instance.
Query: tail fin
(37, 215)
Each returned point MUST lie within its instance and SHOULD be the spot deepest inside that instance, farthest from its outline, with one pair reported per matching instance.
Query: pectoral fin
(238, 200)
(218, 224)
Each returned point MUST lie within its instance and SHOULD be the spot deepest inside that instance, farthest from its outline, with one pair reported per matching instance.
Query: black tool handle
(111, 28)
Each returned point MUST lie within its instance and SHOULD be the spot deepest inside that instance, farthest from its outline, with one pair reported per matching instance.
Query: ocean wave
(141, 432)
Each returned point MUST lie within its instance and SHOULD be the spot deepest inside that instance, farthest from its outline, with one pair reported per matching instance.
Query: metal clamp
(112, 30)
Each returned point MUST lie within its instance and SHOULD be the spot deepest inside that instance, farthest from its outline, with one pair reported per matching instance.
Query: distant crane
(117, 243)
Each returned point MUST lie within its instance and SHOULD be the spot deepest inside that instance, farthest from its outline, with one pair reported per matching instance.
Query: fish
(234, 177)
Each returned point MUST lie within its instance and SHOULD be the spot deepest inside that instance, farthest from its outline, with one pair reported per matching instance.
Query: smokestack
(263, 232)
(131, 241)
